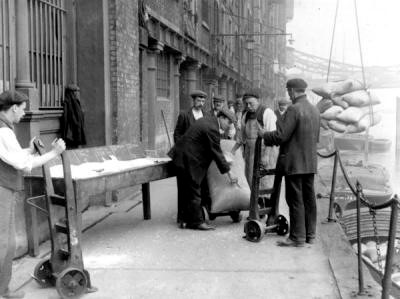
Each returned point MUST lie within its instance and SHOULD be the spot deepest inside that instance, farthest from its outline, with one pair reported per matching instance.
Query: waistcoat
(10, 177)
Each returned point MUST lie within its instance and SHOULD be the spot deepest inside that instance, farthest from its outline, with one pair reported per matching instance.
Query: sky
(379, 22)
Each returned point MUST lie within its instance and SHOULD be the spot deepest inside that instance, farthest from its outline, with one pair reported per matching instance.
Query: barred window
(47, 47)
(163, 75)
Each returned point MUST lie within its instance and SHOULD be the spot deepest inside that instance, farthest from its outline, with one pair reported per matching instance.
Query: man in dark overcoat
(188, 117)
(297, 135)
(192, 156)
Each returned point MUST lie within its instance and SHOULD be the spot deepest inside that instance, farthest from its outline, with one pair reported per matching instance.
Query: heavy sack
(353, 114)
(324, 104)
(324, 124)
(364, 123)
(224, 196)
(332, 112)
(337, 88)
(360, 98)
(337, 125)
(337, 100)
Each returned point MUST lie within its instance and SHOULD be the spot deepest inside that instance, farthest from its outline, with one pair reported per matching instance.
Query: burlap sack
(224, 196)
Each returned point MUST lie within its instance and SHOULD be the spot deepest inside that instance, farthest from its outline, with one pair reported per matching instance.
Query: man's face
(290, 93)
(282, 107)
(19, 111)
(252, 104)
(218, 105)
(198, 102)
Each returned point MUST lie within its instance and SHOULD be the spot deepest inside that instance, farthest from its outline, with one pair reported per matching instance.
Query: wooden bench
(99, 184)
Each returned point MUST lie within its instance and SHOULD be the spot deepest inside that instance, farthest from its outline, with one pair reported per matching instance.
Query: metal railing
(393, 203)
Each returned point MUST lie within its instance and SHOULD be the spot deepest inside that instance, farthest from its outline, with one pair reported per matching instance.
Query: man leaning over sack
(192, 156)
(297, 135)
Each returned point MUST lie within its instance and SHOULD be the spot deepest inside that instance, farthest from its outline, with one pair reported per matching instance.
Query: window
(163, 75)
(47, 46)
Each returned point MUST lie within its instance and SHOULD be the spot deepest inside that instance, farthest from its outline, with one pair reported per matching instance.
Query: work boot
(290, 243)
(14, 294)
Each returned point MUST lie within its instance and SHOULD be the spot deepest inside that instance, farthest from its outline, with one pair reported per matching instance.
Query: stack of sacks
(346, 107)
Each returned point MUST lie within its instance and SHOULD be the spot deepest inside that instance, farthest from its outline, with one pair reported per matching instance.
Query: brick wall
(168, 9)
(124, 71)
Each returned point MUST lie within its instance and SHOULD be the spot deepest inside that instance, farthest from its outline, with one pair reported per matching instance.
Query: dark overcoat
(297, 135)
(185, 120)
(198, 147)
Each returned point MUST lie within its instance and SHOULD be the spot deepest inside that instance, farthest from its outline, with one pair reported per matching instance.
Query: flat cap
(283, 101)
(218, 98)
(227, 113)
(296, 83)
(198, 93)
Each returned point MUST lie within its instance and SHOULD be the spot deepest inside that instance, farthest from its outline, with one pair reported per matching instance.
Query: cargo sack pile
(346, 107)
(226, 197)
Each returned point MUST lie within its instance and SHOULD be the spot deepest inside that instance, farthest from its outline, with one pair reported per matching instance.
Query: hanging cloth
(72, 122)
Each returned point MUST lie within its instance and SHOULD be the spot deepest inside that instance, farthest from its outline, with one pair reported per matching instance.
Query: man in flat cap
(256, 116)
(218, 104)
(14, 161)
(192, 156)
(282, 106)
(297, 135)
(185, 120)
(188, 117)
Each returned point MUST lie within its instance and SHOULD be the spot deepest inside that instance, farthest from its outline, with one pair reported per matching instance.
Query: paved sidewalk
(128, 257)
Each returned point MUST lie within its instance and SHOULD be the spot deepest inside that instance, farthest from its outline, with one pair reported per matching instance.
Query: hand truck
(264, 202)
(64, 269)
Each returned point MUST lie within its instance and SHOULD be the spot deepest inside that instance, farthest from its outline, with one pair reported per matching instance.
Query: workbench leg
(146, 201)
(32, 231)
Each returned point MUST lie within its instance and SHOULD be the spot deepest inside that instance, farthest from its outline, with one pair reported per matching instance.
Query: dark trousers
(189, 199)
(300, 197)
(8, 199)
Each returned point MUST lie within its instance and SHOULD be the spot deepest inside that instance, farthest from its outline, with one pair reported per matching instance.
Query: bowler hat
(227, 113)
(198, 93)
(217, 98)
(296, 83)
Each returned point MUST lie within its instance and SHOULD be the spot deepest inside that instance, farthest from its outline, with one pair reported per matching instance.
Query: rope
(333, 37)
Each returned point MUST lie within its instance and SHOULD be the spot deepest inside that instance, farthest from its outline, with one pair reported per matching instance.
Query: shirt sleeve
(12, 153)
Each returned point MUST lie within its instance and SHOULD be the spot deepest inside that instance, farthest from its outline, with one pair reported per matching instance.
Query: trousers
(190, 199)
(300, 197)
(8, 199)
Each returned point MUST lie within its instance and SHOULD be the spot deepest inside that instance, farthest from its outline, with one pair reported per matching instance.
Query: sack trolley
(64, 269)
(264, 202)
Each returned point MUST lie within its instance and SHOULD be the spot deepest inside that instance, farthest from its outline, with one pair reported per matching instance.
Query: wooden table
(99, 184)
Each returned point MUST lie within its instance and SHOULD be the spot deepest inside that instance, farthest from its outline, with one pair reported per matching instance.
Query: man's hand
(261, 131)
(58, 146)
(32, 146)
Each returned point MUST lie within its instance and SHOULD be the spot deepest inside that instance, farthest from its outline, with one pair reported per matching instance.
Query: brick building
(133, 59)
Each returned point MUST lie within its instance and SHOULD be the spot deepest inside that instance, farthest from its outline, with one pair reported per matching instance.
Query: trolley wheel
(43, 274)
(254, 230)
(338, 210)
(236, 216)
(71, 283)
(282, 225)
(206, 215)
